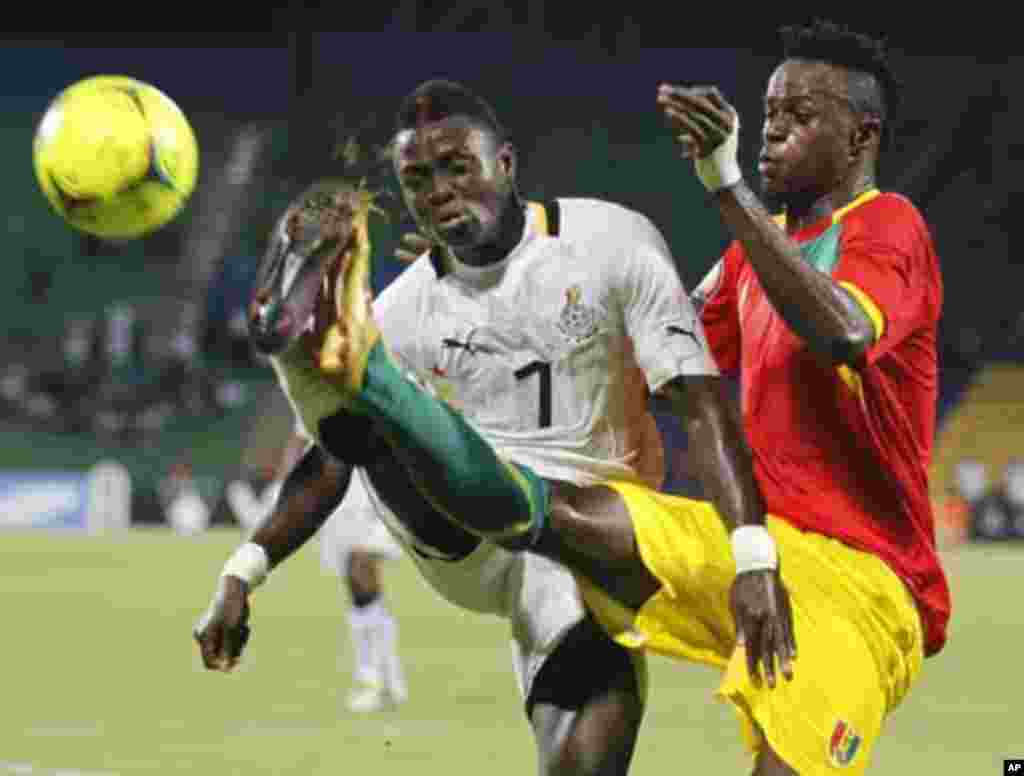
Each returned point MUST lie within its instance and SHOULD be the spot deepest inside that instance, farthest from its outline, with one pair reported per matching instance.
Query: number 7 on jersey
(543, 371)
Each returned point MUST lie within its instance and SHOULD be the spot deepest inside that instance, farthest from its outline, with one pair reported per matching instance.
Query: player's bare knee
(562, 761)
(594, 750)
(573, 757)
(595, 520)
(596, 740)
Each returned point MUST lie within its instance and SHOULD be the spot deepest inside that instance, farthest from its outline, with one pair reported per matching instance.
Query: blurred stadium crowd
(116, 376)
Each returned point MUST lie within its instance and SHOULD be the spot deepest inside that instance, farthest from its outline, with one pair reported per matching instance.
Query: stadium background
(182, 398)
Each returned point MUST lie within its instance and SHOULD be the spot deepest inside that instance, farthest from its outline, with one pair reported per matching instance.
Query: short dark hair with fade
(438, 99)
(874, 88)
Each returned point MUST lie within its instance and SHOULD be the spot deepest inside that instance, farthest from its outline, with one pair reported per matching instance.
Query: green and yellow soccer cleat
(314, 283)
(352, 334)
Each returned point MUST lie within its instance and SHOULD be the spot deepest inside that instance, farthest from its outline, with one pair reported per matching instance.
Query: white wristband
(753, 548)
(249, 563)
(721, 168)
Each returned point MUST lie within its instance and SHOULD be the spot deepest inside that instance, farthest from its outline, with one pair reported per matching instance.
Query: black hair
(438, 99)
(874, 88)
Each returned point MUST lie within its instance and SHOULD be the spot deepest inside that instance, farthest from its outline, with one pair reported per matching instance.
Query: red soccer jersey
(845, 451)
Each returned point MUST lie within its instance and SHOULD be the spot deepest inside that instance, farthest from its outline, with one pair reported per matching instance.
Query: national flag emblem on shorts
(843, 745)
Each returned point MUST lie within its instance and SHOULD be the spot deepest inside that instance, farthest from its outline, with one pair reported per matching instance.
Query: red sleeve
(888, 262)
(715, 298)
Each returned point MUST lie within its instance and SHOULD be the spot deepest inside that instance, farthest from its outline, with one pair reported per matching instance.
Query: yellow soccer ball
(115, 157)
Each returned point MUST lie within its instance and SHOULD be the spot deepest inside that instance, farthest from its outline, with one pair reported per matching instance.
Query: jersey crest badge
(843, 745)
(577, 321)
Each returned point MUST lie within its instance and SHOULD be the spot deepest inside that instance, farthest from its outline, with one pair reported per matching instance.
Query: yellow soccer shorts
(858, 634)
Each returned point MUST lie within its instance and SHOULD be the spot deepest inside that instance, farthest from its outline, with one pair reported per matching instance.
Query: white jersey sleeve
(400, 311)
(659, 317)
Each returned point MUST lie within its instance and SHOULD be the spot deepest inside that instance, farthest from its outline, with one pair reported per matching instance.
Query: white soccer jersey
(542, 354)
(537, 351)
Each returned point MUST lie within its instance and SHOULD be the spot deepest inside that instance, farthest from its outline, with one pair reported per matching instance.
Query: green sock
(451, 464)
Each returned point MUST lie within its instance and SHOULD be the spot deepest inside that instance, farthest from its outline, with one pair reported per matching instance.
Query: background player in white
(353, 543)
(526, 334)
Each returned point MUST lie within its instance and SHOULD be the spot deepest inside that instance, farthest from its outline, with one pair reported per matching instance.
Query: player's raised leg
(588, 530)
(458, 471)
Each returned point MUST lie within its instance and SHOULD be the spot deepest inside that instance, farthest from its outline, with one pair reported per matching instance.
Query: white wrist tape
(721, 168)
(753, 548)
(249, 563)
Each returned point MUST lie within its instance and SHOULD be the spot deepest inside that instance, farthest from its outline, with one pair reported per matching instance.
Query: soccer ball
(115, 157)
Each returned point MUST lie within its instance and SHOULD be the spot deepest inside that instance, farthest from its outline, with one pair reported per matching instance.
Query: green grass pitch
(99, 675)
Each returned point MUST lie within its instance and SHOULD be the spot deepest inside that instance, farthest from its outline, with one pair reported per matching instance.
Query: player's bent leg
(398, 492)
(586, 705)
(590, 531)
(454, 467)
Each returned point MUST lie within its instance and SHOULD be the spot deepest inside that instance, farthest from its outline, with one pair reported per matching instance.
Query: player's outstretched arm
(311, 492)
(818, 310)
(760, 603)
